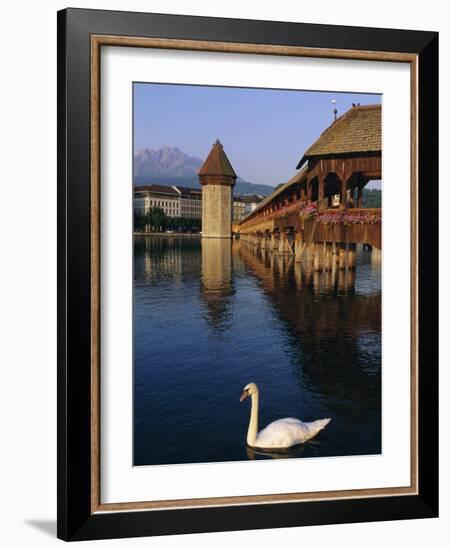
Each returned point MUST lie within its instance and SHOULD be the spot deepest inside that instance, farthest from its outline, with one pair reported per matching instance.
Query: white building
(175, 201)
(251, 202)
(190, 202)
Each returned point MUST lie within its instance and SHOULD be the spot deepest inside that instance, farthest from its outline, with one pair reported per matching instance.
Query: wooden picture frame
(81, 35)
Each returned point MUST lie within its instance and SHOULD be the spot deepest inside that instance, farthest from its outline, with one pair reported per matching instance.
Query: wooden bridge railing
(355, 225)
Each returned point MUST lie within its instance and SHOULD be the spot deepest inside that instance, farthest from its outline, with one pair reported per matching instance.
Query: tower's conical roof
(217, 163)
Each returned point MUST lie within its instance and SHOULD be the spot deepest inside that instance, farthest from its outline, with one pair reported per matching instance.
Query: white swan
(281, 434)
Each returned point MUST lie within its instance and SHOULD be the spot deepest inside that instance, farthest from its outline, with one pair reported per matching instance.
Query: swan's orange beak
(244, 396)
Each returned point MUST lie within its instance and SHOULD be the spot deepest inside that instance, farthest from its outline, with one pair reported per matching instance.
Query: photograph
(257, 274)
(247, 272)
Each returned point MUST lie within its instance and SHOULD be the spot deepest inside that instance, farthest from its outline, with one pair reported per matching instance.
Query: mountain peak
(171, 166)
(166, 162)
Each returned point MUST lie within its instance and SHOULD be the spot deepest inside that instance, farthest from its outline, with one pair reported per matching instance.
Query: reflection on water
(212, 315)
(216, 283)
(311, 448)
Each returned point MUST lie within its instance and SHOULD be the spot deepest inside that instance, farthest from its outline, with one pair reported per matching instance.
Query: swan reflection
(294, 452)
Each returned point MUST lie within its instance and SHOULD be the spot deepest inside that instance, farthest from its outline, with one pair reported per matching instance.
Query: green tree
(139, 220)
(157, 218)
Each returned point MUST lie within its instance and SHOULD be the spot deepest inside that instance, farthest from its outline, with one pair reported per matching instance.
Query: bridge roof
(356, 131)
(278, 191)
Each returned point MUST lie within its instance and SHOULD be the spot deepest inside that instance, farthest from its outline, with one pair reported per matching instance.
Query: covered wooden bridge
(318, 215)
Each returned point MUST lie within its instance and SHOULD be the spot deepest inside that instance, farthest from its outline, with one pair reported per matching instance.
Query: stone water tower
(217, 178)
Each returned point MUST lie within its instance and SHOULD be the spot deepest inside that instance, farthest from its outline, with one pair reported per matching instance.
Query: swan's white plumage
(288, 432)
(281, 434)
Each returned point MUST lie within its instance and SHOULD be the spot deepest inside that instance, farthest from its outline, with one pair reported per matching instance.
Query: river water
(211, 316)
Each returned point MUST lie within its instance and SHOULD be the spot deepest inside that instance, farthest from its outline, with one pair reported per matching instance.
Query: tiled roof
(217, 163)
(156, 188)
(176, 190)
(297, 177)
(188, 191)
(356, 131)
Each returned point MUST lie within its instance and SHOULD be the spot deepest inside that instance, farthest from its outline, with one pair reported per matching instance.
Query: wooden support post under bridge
(283, 246)
(298, 246)
(351, 255)
(319, 256)
(272, 242)
(290, 243)
(281, 243)
(315, 256)
(342, 255)
(328, 256)
(263, 241)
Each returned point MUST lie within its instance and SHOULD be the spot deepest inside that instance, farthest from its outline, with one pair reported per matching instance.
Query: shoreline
(163, 234)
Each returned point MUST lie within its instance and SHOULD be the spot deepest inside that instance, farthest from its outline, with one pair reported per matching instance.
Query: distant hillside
(170, 166)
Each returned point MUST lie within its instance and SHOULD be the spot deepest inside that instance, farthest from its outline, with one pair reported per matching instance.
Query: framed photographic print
(247, 274)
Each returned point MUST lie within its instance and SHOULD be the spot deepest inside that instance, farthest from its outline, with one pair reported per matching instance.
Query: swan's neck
(253, 424)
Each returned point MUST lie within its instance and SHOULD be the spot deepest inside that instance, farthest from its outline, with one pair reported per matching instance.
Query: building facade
(251, 202)
(190, 202)
(175, 201)
(238, 209)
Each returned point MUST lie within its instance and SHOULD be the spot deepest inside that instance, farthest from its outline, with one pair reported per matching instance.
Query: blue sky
(264, 132)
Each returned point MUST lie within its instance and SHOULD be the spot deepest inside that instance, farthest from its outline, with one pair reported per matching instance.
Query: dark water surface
(211, 316)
